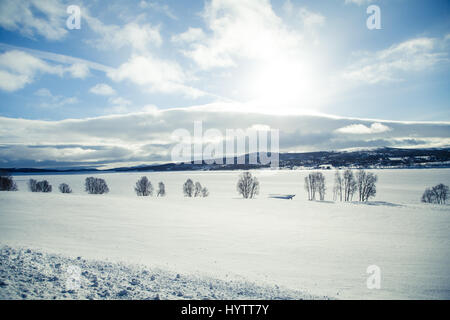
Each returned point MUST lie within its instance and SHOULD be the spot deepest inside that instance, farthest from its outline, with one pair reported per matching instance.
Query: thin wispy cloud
(48, 100)
(102, 89)
(18, 68)
(396, 62)
(163, 8)
(358, 2)
(57, 58)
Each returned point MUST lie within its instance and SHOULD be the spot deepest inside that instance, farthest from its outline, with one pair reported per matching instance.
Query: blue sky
(285, 58)
(333, 40)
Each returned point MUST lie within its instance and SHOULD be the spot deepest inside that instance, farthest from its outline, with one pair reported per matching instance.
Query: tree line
(347, 185)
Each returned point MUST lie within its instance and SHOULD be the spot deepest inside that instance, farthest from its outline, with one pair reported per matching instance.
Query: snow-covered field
(321, 248)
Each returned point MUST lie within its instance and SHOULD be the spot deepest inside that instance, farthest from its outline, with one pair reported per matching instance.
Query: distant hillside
(377, 158)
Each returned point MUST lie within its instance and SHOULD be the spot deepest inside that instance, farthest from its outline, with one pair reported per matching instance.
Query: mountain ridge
(372, 158)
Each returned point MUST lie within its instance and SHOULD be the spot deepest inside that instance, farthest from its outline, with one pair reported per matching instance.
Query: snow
(321, 248)
(29, 274)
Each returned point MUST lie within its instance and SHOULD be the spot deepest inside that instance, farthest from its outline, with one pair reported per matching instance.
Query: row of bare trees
(39, 186)
(247, 186)
(191, 189)
(8, 184)
(346, 185)
(144, 188)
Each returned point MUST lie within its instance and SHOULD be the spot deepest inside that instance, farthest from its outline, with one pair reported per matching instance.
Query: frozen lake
(323, 248)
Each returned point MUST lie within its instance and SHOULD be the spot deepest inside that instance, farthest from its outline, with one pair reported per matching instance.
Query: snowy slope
(28, 274)
(322, 248)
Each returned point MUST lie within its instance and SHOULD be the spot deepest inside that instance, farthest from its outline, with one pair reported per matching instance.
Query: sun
(283, 86)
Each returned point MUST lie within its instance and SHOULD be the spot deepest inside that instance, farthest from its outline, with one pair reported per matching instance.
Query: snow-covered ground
(321, 248)
(29, 274)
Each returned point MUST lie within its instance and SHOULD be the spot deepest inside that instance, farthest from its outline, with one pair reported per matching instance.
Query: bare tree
(441, 193)
(7, 183)
(32, 185)
(188, 188)
(143, 187)
(437, 194)
(205, 192)
(320, 184)
(197, 189)
(315, 183)
(96, 186)
(64, 188)
(428, 196)
(247, 186)
(161, 190)
(200, 191)
(44, 186)
(309, 187)
(39, 186)
(350, 185)
(366, 185)
(338, 186)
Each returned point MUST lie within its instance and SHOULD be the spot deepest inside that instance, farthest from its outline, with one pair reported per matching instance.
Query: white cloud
(48, 19)
(138, 37)
(34, 17)
(102, 89)
(120, 101)
(363, 129)
(308, 18)
(119, 105)
(146, 136)
(24, 63)
(241, 29)
(358, 2)
(271, 62)
(191, 35)
(12, 82)
(155, 74)
(18, 68)
(164, 8)
(43, 92)
(391, 64)
(59, 58)
(48, 100)
(311, 19)
(150, 108)
(79, 70)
